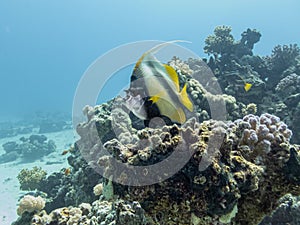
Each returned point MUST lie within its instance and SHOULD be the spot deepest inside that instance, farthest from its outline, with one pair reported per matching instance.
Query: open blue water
(45, 46)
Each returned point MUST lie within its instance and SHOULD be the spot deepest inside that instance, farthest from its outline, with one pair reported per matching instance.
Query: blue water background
(45, 46)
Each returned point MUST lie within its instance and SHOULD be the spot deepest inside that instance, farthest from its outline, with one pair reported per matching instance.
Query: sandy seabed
(10, 191)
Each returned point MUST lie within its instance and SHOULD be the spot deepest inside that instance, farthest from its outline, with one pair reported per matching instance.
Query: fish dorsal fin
(172, 75)
(185, 100)
(155, 49)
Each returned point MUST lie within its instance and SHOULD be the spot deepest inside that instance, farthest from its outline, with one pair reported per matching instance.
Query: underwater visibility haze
(150, 112)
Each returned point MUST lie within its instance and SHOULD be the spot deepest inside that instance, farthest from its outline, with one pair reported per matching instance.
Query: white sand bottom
(9, 184)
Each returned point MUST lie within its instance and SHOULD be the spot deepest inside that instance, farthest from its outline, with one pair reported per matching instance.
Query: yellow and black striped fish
(155, 89)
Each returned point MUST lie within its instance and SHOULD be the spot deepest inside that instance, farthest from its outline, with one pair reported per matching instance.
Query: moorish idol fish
(155, 90)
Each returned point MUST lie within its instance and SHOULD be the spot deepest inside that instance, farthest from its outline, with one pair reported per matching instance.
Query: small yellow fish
(247, 86)
(65, 152)
(67, 171)
(70, 150)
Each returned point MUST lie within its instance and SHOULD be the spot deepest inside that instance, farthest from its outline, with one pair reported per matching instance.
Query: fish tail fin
(185, 100)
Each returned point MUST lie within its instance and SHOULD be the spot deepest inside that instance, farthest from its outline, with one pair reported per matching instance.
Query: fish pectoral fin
(247, 86)
(155, 98)
(185, 100)
(173, 75)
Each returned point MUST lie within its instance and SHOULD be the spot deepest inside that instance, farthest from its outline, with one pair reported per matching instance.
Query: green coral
(31, 179)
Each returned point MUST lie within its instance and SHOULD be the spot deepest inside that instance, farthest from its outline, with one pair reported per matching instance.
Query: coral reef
(30, 204)
(31, 179)
(220, 43)
(205, 171)
(8, 157)
(10, 129)
(288, 212)
(282, 58)
(180, 66)
(288, 85)
(41, 121)
(30, 149)
(240, 181)
(98, 189)
(238, 169)
(99, 213)
(70, 189)
(234, 63)
(274, 78)
(52, 126)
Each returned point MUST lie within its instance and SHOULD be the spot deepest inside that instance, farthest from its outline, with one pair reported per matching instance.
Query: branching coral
(283, 57)
(219, 43)
(31, 179)
(180, 66)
